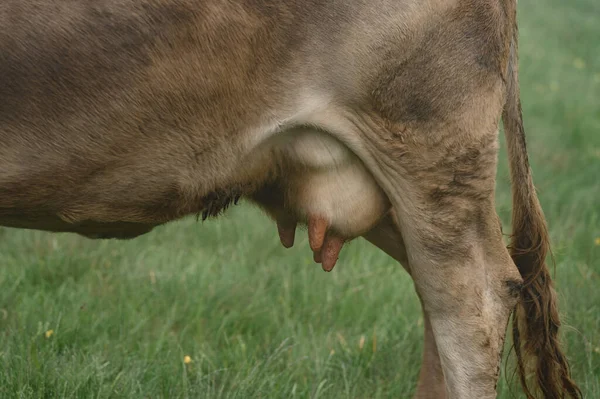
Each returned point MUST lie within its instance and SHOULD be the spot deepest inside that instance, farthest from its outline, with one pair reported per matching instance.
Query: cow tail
(536, 319)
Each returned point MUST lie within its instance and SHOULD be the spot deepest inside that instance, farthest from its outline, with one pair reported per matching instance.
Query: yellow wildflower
(187, 359)
(49, 333)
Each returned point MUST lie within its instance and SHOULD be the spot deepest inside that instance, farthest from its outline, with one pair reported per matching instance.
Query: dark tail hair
(535, 319)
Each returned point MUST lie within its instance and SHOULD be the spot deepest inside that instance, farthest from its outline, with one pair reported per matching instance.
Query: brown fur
(119, 115)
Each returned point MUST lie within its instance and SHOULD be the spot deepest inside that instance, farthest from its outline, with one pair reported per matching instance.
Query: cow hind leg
(468, 286)
(440, 180)
(431, 384)
(467, 296)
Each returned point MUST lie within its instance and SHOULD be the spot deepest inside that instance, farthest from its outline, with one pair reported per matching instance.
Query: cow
(372, 118)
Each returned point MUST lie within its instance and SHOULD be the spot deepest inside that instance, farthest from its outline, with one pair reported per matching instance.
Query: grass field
(100, 319)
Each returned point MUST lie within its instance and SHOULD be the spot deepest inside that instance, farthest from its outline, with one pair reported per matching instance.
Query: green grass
(261, 321)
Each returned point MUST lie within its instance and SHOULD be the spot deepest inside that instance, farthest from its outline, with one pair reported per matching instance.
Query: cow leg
(440, 179)
(467, 297)
(464, 277)
(431, 383)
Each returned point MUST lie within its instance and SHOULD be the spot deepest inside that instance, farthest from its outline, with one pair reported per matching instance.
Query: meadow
(221, 310)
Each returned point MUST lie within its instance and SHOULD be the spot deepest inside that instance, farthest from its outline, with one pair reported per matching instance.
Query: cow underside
(152, 114)
(357, 118)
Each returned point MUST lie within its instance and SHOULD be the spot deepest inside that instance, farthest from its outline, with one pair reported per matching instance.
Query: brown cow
(120, 115)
